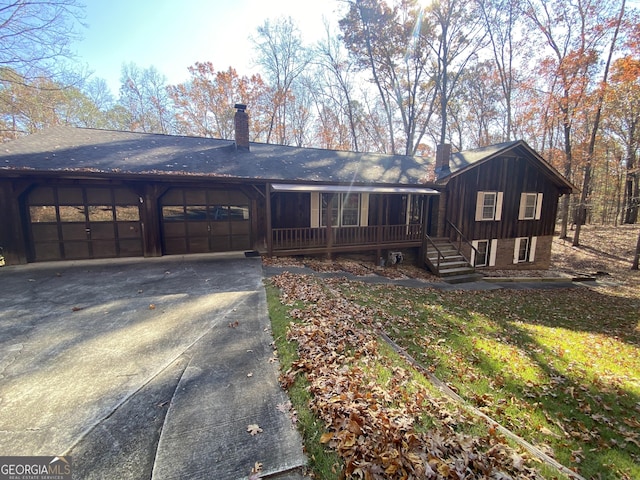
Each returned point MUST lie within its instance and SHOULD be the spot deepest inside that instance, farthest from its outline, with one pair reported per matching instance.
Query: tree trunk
(636, 258)
(594, 132)
(567, 170)
(632, 192)
(582, 207)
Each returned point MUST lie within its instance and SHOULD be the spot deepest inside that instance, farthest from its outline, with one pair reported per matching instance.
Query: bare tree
(599, 101)
(36, 34)
(336, 72)
(281, 55)
(476, 110)
(573, 33)
(389, 40)
(501, 20)
(143, 93)
(457, 34)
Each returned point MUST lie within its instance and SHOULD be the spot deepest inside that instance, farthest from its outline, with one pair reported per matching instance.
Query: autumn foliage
(381, 420)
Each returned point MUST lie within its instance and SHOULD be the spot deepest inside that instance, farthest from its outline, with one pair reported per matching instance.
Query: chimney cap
(241, 107)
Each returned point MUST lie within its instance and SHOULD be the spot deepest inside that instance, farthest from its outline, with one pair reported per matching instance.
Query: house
(503, 200)
(70, 193)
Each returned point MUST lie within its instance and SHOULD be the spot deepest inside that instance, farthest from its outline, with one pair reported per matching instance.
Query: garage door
(68, 223)
(205, 220)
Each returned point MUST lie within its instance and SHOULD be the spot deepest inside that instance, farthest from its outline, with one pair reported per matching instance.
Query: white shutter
(315, 209)
(532, 248)
(407, 213)
(498, 216)
(516, 250)
(364, 209)
(493, 252)
(539, 206)
(523, 206)
(474, 243)
(479, 205)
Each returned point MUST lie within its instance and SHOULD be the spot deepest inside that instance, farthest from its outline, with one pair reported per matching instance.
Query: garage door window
(127, 213)
(43, 214)
(72, 213)
(100, 213)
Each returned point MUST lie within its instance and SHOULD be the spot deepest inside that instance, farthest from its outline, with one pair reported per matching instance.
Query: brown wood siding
(11, 225)
(512, 176)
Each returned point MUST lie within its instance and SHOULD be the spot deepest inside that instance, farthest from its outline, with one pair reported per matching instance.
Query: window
(489, 206)
(72, 213)
(127, 213)
(413, 209)
(530, 206)
(484, 254)
(344, 209)
(100, 213)
(525, 250)
(482, 257)
(43, 214)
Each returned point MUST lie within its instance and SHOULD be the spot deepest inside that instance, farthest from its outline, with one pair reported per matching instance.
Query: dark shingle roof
(90, 150)
(464, 159)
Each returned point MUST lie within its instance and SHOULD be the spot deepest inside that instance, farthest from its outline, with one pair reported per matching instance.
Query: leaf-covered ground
(381, 415)
(605, 250)
(560, 368)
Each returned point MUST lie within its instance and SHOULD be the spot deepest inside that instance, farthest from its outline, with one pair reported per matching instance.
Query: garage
(199, 220)
(74, 222)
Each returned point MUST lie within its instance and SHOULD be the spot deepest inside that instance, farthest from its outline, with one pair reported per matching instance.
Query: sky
(172, 35)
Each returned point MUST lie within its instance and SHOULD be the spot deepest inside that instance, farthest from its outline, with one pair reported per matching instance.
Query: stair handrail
(440, 255)
(462, 238)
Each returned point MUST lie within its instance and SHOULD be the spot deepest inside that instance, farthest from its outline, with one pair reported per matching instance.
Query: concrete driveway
(144, 368)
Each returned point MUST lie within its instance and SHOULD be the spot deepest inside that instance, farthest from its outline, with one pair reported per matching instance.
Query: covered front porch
(288, 241)
(316, 219)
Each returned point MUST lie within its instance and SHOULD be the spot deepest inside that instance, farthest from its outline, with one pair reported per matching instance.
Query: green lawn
(560, 368)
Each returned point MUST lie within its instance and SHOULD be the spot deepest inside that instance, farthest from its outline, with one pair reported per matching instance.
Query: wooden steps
(445, 260)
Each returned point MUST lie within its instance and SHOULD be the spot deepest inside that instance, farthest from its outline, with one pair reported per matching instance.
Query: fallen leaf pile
(382, 428)
(355, 266)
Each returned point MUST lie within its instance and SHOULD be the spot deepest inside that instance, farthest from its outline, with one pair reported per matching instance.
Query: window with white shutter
(525, 250)
(489, 206)
(530, 206)
(484, 254)
(344, 209)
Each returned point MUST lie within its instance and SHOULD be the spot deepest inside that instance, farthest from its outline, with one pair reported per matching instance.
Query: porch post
(269, 232)
(150, 218)
(327, 222)
(442, 213)
(381, 204)
(425, 228)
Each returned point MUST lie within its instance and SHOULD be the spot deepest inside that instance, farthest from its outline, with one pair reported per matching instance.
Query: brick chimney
(241, 121)
(443, 157)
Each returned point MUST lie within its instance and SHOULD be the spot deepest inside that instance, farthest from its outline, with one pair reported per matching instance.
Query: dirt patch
(605, 252)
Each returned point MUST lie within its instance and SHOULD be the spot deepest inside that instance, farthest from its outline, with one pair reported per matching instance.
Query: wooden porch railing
(306, 238)
(461, 238)
(430, 244)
